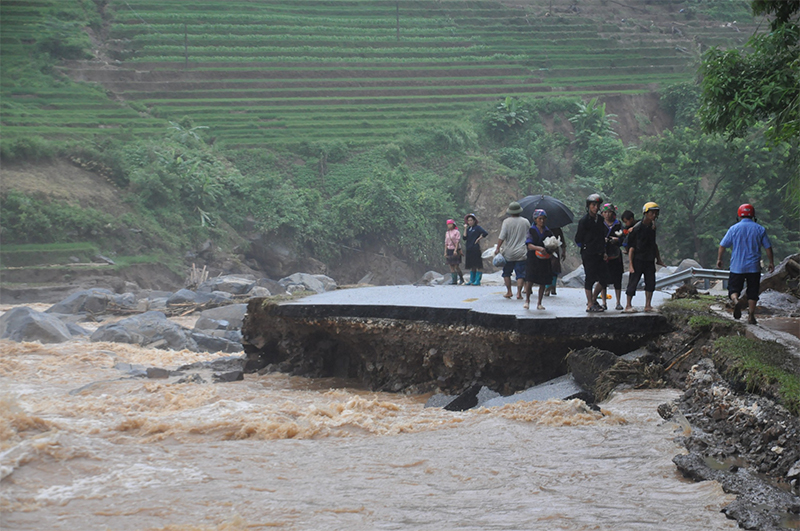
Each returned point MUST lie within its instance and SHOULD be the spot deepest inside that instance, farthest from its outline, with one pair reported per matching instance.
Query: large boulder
(431, 278)
(187, 296)
(303, 282)
(232, 315)
(587, 364)
(25, 324)
(328, 283)
(94, 300)
(785, 277)
(209, 343)
(235, 284)
(687, 263)
(574, 279)
(151, 329)
(273, 286)
(776, 302)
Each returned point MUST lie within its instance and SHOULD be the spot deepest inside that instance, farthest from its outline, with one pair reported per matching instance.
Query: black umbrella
(558, 214)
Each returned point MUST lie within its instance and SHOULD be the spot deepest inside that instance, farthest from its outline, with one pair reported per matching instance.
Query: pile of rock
(217, 330)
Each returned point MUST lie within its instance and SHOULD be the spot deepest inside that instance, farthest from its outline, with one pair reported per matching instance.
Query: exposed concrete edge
(645, 324)
(417, 355)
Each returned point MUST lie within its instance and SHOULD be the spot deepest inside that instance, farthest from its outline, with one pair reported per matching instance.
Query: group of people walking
(603, 240)
(533, 253)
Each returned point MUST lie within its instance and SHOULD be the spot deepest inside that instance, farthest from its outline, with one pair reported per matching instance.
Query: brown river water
(284, 452)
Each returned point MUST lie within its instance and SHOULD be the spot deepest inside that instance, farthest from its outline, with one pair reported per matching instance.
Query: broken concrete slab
(561, 388)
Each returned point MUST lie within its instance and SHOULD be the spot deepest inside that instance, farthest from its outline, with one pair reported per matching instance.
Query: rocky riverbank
(739, 420)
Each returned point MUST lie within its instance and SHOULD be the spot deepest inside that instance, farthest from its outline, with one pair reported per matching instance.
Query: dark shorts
(615, 271)
(453, 258)
(736, 283)
(517, 267)
(595, 269)
(646, 268)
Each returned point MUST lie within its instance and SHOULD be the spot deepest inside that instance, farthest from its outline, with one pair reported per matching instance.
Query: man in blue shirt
(746, 238)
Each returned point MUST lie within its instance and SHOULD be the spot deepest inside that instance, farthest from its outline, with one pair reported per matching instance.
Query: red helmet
(747, 211)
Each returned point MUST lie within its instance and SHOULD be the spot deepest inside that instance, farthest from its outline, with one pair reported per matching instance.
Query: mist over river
(276, 451)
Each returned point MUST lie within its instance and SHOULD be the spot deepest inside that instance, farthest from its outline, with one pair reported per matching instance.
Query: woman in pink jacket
(452, 252)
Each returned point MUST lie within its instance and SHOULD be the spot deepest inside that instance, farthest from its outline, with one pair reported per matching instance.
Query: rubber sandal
(595, 309)
(630, 310)
(619, 307)
(540, 307)
(526, 305)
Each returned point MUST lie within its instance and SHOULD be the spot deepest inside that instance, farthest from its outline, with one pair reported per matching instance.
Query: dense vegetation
(357, 172)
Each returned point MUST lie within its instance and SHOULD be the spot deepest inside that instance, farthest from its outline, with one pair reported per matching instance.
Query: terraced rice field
(259, 73)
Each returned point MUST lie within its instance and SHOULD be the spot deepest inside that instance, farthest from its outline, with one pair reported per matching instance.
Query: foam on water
(281, 451)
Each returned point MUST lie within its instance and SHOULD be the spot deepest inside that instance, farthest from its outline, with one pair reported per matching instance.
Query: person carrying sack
(452, 252)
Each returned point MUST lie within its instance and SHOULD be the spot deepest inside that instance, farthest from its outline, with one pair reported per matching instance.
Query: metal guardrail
(693, 272)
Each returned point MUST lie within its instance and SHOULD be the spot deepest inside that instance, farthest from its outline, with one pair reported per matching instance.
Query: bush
(28, 149)
(25, 219)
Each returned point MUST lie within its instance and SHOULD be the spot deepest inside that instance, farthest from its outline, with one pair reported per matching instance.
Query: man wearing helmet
(643, 256)
(746, 239)
(591, 238)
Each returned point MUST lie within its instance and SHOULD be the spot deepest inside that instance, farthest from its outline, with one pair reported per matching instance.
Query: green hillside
(261, 73)
(349, 131)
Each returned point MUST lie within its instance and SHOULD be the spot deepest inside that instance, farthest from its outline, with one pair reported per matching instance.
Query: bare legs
(528, 291)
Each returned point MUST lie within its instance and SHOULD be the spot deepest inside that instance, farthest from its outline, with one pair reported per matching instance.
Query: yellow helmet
(650, 205)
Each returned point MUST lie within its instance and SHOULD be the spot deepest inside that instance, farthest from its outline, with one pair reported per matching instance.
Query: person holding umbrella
(537, 266)
(473, 233)
(558, 215)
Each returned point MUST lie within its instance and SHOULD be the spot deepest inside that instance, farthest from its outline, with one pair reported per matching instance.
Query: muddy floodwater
(286, 452)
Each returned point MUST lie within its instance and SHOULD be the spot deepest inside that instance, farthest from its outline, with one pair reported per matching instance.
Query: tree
(698, 180)
(592, 120)
(762, 84)
(508, 115)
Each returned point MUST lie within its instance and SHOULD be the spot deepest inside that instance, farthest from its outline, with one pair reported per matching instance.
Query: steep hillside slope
(261, 73)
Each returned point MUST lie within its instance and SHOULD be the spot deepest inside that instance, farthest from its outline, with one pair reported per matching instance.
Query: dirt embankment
(61, 180)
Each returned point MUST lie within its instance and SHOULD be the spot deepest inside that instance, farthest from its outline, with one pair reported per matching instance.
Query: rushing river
(286, 452)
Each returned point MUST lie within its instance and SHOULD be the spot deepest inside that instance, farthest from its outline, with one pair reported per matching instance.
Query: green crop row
(494, 59)
(122, 31)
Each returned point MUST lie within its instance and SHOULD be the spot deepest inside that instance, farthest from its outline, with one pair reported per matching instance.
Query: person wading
(513, 233)
(746, 239)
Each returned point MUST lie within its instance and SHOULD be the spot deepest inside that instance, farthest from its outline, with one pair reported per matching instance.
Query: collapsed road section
(423, 339)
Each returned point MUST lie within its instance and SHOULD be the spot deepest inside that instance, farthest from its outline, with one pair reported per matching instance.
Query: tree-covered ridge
(328, 195)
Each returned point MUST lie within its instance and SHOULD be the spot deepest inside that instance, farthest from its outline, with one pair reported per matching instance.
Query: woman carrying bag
(452, 252)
